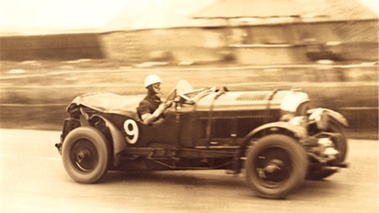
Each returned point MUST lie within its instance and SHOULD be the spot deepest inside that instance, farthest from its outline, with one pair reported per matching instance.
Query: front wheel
(276, 165)
(85, 154)
(340, 143)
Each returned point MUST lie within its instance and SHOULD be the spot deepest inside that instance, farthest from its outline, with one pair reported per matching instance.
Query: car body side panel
(241, 101)
(218, 116)
(190, 129)
(230, 116)
(224, 124)
(165, 132)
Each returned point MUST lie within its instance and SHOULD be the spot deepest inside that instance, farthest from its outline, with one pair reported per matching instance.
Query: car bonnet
(109, 102)
(241, 100)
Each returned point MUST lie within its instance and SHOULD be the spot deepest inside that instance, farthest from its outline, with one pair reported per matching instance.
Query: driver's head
(153, 83)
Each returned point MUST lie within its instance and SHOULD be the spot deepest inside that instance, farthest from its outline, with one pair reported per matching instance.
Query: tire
(341, 145)
(286, 156)
(85, 155)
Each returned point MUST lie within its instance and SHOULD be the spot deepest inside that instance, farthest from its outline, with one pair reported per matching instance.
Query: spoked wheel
(85, 155)
(275, 166)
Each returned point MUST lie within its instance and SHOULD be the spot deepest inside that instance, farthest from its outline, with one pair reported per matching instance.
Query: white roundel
(131, 130)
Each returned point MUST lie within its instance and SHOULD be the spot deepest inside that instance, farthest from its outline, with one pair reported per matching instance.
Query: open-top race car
(271, 136)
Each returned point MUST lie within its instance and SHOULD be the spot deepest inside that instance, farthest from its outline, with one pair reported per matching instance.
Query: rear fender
(118, 140)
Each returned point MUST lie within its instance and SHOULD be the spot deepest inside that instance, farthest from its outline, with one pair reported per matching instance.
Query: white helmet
(152, 79)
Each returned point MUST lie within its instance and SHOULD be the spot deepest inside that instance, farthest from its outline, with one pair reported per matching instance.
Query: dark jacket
(148, 105)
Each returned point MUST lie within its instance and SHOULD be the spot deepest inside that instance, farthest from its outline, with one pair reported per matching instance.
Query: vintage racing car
(271, 136)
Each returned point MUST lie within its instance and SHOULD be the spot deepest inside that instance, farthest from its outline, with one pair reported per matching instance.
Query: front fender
(269, 128)
(297, 131)
(318, 113)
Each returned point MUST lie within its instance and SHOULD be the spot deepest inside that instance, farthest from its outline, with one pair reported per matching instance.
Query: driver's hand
(167, 104)
(162, 107)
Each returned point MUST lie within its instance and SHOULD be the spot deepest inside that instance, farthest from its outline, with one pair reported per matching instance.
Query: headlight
(293, 100)
(286, 115)
(294, 103)
(297, 121)
(320, 118)
(300, 111)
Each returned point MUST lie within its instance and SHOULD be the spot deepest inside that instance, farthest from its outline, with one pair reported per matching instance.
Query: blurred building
(216, 31)
(297, 31)
(51, 47)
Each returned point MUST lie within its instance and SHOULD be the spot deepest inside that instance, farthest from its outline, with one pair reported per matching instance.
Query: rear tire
(276, 165)
(85, 154)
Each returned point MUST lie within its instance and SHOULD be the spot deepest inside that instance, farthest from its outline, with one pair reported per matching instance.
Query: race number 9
(131, 130)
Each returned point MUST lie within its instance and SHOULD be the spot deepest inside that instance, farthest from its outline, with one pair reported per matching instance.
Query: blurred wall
(50, 47)
(302, 43)
(293, 43)
(172, 45)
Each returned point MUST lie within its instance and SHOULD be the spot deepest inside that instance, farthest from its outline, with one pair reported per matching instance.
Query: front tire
(276, 165)
(85, 155)
(341, 143)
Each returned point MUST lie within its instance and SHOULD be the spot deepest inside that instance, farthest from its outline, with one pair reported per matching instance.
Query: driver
(151, 108)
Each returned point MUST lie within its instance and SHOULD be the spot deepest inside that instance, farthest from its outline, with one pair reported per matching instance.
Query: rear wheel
(85, 154)
(276, 165)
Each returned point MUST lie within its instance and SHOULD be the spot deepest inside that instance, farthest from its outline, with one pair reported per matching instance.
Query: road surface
(33, 180)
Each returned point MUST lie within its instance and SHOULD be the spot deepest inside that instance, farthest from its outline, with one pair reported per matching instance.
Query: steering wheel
(172, 95)
(219, 89)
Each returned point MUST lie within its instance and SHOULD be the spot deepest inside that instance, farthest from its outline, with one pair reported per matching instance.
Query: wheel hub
(273, 166)
(83, 155)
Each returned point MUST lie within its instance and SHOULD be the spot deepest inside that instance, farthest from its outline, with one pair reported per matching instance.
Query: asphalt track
(33, 180)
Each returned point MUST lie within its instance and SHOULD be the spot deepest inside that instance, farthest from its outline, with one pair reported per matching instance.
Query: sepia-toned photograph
(176, 106)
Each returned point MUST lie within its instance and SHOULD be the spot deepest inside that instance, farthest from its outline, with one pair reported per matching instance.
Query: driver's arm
(149, 118)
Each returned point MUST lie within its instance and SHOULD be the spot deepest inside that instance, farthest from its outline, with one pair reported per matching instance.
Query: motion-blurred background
(51, 51)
